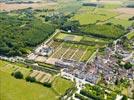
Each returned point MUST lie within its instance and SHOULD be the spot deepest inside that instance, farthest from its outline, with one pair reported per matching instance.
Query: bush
(18, 75)
(80, 97)
(128, 65)
(12, 74)
(30, 79)
(124, 97)
(90, 95)
(47, 84)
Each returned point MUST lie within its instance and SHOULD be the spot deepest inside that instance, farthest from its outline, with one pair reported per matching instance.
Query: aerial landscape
(66, 49)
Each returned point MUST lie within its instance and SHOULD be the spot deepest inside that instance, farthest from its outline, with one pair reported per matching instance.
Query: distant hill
(20, 0)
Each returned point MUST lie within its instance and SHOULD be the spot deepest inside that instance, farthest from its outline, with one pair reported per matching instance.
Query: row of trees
(79, 96)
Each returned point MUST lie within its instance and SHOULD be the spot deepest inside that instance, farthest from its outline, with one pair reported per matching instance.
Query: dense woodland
(18, 34)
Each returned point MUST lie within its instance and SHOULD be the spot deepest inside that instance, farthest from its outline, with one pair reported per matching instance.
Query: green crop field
(105, 31)
(68, 6)
(15, 89)
(92, 15)
(119, 21)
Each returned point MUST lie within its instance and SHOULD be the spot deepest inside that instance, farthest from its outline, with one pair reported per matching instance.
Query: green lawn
(63, 36)
(95, 39)
(130, 35)
(60, 85)
(3, 63)
(18, 89)
(15, 89)
(9, 68)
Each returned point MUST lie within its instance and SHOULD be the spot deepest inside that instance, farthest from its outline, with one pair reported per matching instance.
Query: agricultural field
(110, 13)
(93, 15)
(15, 6)
(14, 89)
(118, 21)
(68, 6)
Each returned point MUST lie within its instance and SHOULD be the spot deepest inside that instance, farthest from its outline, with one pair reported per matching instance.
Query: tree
(116, 82)
(47, 18)
(128, 65)
(133, 93)
(132, 18)
(124, 97)
(47, 84)
(18, 75)
(30, 79)
(71, 25)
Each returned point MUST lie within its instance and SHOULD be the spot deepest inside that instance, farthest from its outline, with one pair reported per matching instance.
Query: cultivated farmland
(10, 7)
(107, 14)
